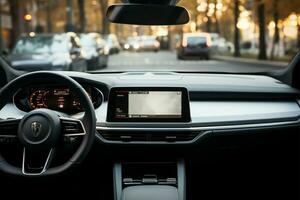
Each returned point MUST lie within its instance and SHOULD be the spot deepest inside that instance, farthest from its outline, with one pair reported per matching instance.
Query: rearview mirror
(145, 14)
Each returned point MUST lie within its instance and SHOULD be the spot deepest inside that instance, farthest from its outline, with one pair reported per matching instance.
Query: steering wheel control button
(39, 129)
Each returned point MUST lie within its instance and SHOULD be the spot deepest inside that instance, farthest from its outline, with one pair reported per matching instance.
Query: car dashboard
(167, 108)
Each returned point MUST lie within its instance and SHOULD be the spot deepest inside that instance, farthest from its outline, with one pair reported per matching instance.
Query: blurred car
(224, 47)
(48, 52)
(249, 47)
(96, 51)
(219, 45)
(132, 44)
(149, 43)
(112, 43)
(195, 45)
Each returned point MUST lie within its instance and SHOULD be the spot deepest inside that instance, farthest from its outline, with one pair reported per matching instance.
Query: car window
(196, 40)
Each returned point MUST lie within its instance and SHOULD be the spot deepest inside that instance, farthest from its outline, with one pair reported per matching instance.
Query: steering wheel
(41, 130)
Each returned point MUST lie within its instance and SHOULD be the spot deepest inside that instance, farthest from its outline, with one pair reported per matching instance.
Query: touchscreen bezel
(185, 105)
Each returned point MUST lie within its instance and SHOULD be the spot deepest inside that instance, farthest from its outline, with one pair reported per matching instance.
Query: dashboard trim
(203, 131)
(201, 128)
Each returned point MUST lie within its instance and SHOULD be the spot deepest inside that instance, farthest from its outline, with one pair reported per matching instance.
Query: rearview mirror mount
(147, 14)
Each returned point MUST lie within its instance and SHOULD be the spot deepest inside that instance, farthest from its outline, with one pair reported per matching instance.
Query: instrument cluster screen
(54, 97)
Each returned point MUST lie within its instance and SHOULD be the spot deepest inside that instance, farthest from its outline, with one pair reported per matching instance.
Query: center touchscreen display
(146, 105)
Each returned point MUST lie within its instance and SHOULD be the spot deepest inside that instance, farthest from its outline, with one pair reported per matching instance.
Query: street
(167, 61)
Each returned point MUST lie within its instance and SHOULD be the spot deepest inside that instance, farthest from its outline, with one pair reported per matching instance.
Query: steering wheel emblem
(36, 128)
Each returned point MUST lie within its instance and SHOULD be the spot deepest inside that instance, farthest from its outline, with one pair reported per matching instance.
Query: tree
(49, 10)
(208, 23)
(69, 24)
(262, 55)
(1, 37)
(217, 25)
(298, 35)
(82, 20)
(105, 22)
(237, 52)
(276, 37)
(14, 6)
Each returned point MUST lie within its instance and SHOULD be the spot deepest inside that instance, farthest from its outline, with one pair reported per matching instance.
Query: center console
(149, 180)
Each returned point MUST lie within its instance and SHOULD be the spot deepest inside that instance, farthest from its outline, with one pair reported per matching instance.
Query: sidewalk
(251, 61)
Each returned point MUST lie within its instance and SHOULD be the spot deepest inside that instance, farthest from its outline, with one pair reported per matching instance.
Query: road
(167, 61)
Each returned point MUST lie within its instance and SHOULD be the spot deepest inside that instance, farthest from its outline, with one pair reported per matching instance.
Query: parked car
(112, 43)
(149, 43)
(48, 52)
(195, 45)
(96, 51)
(223, 46)
(132, 44)
(220, 45)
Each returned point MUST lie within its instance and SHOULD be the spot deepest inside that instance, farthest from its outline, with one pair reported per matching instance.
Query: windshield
(222, 36)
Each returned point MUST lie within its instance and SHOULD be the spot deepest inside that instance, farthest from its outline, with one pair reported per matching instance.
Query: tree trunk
(1, 36)
(69, 24)
(15, 17)
(237, 52)
(262, 55)
(298, 41)
(105, 22)
(217, 25)
(276, 37)
(82, 19)
(208, 24)
(49, 23)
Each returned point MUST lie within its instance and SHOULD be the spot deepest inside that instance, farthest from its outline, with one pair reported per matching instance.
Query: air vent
(9, 128)
(145, 136)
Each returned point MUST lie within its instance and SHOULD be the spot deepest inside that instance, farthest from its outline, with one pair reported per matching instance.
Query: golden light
(293, 19)
(219, 6)
(211, 6)
(245, 13)
(94, 3)
(32, 34)
(290, 32)
(28, 17)
(202, 7)
(193, 26)
(210, 12)
(272, 25)
(290, 25)
(243, 24)
(271, 28)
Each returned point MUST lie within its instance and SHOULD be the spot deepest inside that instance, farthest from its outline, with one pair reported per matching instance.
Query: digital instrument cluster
(54, 97)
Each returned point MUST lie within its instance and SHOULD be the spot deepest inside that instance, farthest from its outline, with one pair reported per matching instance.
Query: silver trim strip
(44, 167)
(8, 136)
(197, 128)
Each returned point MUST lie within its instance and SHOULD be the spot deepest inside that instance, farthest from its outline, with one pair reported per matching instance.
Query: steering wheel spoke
(9, 128)
(71, 127)
(36, 163)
